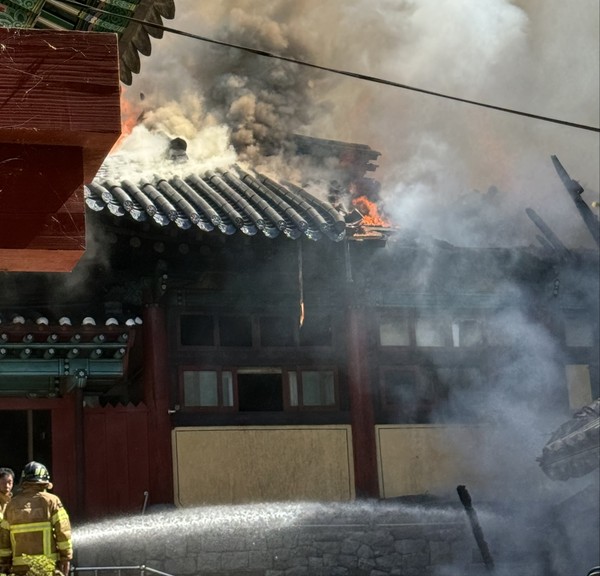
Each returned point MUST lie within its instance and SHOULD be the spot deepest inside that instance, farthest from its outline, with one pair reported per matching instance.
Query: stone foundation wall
(361, 538)
(306, 551)
(306, 540)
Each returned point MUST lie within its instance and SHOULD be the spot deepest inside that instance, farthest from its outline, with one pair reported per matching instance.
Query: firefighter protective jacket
(4, 500)
(35, 523)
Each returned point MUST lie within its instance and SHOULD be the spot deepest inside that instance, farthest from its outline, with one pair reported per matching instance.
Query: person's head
(35, 473)
(7, 480)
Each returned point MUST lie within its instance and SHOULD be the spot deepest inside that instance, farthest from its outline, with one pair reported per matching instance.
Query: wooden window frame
(285, 383)
(384, 393)
(408, 314)
(301, 407)
(183, 346)
(208, 368)
(255, 327)
(412, 316)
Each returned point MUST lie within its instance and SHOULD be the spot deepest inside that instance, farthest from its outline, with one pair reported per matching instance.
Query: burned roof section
(358, 158)
(574, 448)
(344, 164)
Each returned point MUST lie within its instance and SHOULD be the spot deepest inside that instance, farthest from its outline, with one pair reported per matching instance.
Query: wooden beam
(156, 397)
(60, 97)
(61, 87)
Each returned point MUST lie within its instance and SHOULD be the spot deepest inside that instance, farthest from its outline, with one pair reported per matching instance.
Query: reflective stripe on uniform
(66, 545)
(21, 561)
(44, 527)
(61, 514)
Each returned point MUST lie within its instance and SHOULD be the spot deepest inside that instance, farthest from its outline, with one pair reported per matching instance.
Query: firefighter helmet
(35, 472)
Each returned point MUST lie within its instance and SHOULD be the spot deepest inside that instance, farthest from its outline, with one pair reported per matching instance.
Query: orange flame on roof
(130, 116)
(370, 212)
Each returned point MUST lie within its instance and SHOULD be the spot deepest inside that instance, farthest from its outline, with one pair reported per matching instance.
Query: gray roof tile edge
(229, 200)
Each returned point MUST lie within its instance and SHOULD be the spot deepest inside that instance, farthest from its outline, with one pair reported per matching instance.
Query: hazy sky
(537, 56)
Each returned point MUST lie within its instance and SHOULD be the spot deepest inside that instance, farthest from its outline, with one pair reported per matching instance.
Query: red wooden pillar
(361, 406)
(79, 451)
(156, 394)
(65, 469)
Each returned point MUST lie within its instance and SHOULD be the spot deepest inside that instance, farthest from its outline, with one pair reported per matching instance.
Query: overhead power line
(347, 73)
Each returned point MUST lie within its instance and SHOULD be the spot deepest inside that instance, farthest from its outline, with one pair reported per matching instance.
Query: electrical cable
(355, 75)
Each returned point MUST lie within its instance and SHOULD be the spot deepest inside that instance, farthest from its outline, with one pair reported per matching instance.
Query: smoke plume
(448, 171)
(463, 172)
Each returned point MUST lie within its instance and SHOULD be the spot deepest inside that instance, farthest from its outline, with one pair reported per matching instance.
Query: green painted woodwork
(40, 368)
(40, 14)
(40, 377)
(108, 16)
(36, 368)
(20, 13)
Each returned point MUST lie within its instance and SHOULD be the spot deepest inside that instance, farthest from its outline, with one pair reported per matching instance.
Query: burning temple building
(248, 331)
(219, 316)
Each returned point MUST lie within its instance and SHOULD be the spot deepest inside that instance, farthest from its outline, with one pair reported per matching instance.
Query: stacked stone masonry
(367, 540)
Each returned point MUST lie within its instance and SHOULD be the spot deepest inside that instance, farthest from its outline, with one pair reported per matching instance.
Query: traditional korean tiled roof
(123, 18)
(230, 201)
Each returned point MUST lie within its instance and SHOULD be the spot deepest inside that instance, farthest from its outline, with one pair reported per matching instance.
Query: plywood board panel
(428, 459)
(233, 465)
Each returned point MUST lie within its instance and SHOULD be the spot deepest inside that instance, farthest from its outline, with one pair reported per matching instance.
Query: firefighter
(35, 523)
(7, 479)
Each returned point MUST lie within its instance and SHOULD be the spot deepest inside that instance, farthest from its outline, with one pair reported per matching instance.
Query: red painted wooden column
(156, 394)
(64, 458)
(361, 406)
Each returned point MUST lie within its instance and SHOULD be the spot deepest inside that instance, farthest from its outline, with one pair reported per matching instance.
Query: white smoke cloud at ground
(521, 401)
(512, 400)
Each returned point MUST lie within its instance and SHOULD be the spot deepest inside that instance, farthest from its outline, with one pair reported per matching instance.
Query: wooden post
(361, 406)
(79, 453)
(156, 394)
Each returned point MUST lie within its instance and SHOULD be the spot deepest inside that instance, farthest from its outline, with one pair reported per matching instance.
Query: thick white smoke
(448, 170)
(439, 157)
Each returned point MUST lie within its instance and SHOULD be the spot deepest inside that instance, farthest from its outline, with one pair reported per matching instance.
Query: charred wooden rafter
(575, 190)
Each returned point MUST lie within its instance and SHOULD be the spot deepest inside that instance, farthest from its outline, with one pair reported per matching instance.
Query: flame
(130, 116)
(370, 212)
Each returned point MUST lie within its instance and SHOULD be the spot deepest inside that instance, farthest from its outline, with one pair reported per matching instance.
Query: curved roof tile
(231, 200)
